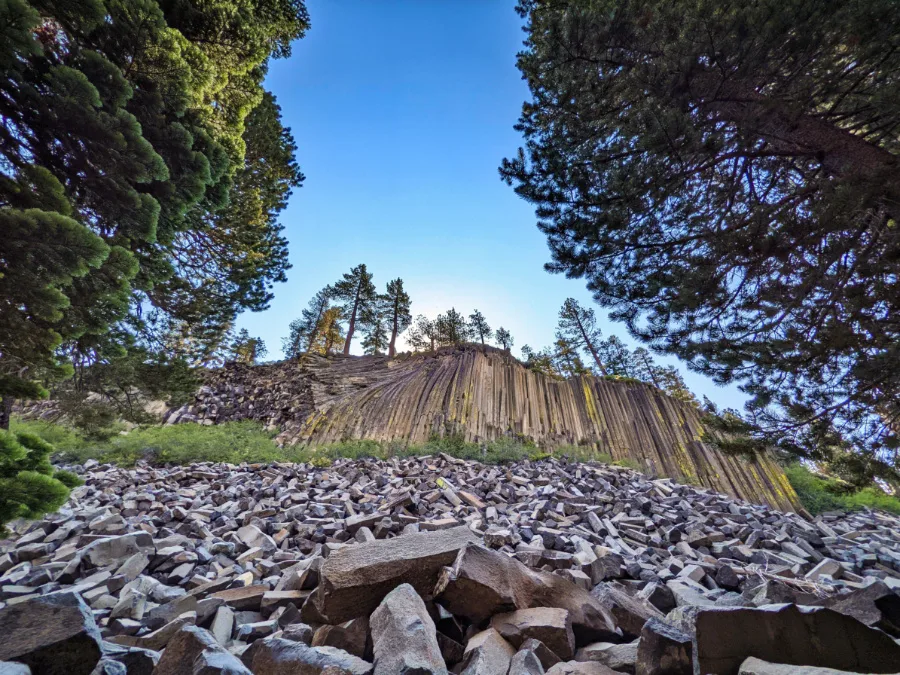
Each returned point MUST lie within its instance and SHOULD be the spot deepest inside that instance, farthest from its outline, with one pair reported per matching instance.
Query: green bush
(63, 438)
(29, 485)
(818, 494)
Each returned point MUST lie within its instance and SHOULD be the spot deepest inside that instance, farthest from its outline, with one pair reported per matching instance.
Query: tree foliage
(395, 306)
(578, 327)
(504, 339)
(725, 175)
(359, 300)
(305, 331)
(129, 178)
(451, 328)
(29, 485)
(479, 328)
(423, 335)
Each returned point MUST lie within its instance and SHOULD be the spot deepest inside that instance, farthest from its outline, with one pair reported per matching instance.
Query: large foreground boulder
(754, 666)
(482, 583)
(53, 634)
(275, 656)
(354, 580)
(404, 637)
(194, 651)
(790, 634)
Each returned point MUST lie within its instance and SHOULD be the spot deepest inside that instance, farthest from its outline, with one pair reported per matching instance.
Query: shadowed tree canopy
(725, 175)
(130, 183)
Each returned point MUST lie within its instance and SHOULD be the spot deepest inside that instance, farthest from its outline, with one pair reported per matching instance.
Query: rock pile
(437, 565)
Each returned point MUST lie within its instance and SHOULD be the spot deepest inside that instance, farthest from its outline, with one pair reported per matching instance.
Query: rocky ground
(436, 565)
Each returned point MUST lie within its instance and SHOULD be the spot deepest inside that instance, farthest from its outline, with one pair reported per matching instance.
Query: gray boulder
(403, 636)
(53, 634)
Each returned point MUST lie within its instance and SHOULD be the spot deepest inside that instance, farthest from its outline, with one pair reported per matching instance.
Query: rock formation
(549, 568)
(483, 394)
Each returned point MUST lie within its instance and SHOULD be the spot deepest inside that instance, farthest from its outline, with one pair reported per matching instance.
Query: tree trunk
(392, 346)
(352, 325)
(590, 346)
(6, 403)
(841, 152)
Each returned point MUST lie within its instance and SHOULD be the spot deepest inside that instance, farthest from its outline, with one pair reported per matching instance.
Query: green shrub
(63, 438)
(818, 494)
(29, 485)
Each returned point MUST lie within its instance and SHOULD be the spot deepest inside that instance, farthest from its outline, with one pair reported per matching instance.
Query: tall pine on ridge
(358, 299)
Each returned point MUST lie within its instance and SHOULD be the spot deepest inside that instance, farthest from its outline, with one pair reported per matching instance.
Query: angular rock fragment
(351, 636)
(754, 666)
(801, 636)
(876, 605)
(551, 625)
(53, 634)
(621, 657)
(486, 653)
(354, 580)
(403, 635)
(580, 668)
(194, 651)
(525, 662)
(274, 656)
(547, 658)
(664, 650)
(630, 614)
(482, 583)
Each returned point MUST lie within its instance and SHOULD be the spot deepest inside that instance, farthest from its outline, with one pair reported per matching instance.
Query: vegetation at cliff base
(819, 494)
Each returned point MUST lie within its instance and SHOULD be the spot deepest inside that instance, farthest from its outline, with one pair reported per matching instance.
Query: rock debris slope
(436, 565)
(484, 394)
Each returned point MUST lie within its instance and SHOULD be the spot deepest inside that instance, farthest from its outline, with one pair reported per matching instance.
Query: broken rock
(194, 651)
(53, 634)
(274, 656)
(403, 636)
(792, 634)
(550, 625)
(482, 583)
(355, 579)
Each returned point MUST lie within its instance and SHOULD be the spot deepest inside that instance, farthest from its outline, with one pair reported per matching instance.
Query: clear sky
(402, 111)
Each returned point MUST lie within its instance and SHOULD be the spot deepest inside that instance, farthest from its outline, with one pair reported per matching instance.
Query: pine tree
(331, 336)
(566, 359)
(451, 328)
(376, 336)
(423, 335)
(246, 349)
(733, 197)
(479, 327)
(358, 299)
(504, 339)
(29, 485)
(578, 327)
(123, 133)
(306, 331)
(618, 359)
(396, 308)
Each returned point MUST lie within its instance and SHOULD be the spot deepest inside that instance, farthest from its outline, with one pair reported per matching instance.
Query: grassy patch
(819, 494)
(236, 442)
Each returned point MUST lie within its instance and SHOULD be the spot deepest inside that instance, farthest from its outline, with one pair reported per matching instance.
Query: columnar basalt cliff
(483, 394)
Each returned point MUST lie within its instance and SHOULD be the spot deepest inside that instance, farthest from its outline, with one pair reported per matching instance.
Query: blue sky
(402, 111)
